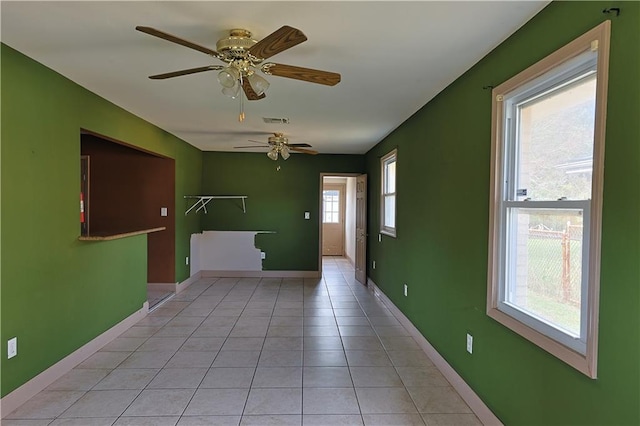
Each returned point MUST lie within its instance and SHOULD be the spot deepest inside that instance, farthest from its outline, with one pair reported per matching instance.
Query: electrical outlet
(307, 215)
(12, 347)
(163, 211)
(469, 343)
(263, 255)
(406, 288)
(379, 238)
(374, 264)
(186, 260)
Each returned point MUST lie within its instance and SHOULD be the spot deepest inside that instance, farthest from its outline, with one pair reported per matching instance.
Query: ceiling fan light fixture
(232, 91)
(284, 152)
(273, 154)
(278, 146)
(228, 77)
(258, 84)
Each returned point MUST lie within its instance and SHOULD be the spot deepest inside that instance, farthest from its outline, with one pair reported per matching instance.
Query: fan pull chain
(241, 114)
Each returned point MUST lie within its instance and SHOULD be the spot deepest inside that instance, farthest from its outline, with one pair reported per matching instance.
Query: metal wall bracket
(202, 201)
(615, 10)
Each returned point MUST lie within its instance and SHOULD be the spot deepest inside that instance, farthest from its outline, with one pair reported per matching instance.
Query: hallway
(251, 351)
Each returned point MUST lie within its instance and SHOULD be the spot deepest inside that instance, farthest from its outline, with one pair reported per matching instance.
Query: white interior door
(333, 212)
(361, 229)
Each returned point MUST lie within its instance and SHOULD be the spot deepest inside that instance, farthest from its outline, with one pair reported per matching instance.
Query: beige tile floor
(250, 351)
(155, 297)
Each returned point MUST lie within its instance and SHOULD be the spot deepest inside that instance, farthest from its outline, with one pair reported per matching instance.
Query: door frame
(362, 214)
(342, 189)
(322, 176)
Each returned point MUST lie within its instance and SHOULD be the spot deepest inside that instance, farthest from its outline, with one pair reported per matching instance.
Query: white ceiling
(393, 57)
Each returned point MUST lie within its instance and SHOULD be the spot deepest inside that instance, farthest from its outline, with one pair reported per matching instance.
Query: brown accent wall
(128, 188)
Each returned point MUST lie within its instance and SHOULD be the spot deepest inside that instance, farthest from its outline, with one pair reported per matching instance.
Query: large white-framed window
(388, 197)
(546, 200)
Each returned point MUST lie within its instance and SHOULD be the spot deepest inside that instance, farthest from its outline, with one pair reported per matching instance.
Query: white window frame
(388, 158)
(581, 354)
(332, 203)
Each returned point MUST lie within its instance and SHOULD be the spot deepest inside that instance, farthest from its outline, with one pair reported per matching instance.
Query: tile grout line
(212, 361)
(162, 368)
(345, 355)
(255, 370)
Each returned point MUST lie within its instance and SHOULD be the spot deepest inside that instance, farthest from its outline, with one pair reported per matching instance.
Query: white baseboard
(474, 402)
(261, 274)
(28, 390)
(181, 286)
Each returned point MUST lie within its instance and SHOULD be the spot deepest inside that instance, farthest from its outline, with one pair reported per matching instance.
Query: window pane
(330, 206)
(555, 142)
(390, 177)
(390, 211)
(388, 204)
(545, 276)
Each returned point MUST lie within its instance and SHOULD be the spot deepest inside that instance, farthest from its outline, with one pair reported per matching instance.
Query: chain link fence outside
(555, 266)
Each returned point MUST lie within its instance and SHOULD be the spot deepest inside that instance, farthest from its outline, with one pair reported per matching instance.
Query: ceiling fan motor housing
(236, 46)
(278, 139)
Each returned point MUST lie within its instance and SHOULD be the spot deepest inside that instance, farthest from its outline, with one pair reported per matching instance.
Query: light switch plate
(307, 215)
(163, 211)
(12, 347)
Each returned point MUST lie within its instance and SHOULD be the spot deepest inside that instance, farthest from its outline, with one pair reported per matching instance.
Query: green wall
(59, 293)
(276, 201)
(442, 233)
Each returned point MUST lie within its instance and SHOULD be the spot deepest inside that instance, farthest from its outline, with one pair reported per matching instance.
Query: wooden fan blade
(261, 143)
(252, 146)
(305, 151)
(248, 90)
(185, 72)
(304, 74)
(178, 40)
(279, 40)
(299, 145)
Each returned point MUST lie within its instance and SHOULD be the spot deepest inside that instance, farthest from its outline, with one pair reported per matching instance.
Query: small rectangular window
(331, 206)
(388, 202)
(547, 173)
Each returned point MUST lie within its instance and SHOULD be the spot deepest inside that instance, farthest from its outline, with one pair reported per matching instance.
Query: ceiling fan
(279, 145)
(243, 57)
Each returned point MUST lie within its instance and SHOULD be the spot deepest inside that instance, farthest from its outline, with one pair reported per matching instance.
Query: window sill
(585, 364)
(388, 233)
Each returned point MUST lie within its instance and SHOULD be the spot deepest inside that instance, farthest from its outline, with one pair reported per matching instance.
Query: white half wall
(224, 251)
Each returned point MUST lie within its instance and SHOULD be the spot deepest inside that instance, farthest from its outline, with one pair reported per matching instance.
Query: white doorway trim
(334, 229)
(322, 176)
